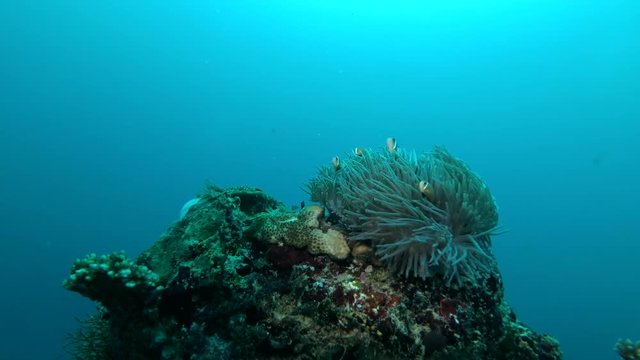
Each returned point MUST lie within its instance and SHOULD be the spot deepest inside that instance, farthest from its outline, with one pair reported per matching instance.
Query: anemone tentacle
(378, 198)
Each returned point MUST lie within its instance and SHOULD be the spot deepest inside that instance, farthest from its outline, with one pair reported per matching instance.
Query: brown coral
(300, 230)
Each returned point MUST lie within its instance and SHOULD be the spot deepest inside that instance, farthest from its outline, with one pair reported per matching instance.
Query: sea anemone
(424, 215)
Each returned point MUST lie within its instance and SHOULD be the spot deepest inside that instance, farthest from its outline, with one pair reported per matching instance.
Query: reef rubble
(240, 276)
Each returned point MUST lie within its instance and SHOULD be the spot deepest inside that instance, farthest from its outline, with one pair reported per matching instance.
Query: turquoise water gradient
(113, 114)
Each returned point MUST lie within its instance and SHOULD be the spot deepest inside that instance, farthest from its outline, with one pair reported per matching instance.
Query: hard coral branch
(117, 283)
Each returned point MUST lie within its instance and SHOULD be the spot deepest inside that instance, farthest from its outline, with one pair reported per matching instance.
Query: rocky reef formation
(240, 276)
(215, 286)
(627, 349)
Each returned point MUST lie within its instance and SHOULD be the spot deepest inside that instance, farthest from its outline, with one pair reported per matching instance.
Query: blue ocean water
(113, 114)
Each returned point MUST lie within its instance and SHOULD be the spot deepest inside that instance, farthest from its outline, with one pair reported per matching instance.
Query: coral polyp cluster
(423, 214)
(305, 230)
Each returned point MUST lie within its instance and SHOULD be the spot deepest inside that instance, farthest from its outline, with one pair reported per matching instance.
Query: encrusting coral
(239, 276)
(300, 230)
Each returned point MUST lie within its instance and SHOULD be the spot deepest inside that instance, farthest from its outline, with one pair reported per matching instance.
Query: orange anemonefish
(392, 146)
(336, 163)
(426, 189)
(358, 151)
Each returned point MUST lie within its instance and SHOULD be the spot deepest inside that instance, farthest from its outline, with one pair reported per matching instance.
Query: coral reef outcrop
(223, 284)
(395, 264)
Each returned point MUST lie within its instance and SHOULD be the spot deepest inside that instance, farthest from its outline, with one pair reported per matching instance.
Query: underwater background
(114, 114)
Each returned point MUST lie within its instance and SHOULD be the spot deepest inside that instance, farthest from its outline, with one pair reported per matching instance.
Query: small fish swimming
(426, 189)
(187, 206)
(336, 163)
(358, 151)
(392, 145)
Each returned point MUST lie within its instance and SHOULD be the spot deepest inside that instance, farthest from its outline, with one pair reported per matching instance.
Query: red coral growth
(452, 312)
(448, 308)
(284, 257)
(341, 296)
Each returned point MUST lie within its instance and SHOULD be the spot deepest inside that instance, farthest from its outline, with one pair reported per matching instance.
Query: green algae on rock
(228, 285)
